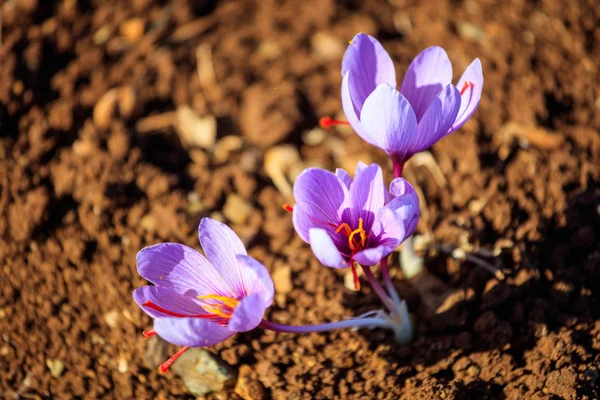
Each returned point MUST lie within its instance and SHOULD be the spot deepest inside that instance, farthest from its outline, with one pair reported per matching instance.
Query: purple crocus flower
(347, 220)
(427, 107)
(198, 302)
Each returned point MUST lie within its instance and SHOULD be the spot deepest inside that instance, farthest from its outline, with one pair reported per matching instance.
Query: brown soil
(87, 179)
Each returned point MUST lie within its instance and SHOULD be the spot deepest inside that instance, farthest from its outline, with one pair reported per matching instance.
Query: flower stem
(387, 280)
(389, 304)
(350, 323)
(398, 168)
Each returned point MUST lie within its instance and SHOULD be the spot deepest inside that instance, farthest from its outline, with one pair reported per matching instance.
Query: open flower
(427, 107)
(347, 220)
(199, 302)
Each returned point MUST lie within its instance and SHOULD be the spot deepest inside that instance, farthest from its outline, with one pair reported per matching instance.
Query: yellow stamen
(223, 309)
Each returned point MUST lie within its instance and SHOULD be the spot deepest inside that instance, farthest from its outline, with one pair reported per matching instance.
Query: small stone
(112, 318)
(248, 386)
(56, 367)
(157, 351)
(122, 366)
(5, 350)
(472, 32)
(104, 109)
(225, 147)
(202, 372)
(133, 29)
(282, 278)
(327, 46)
(2, 313)
(473, 370)
(402, 22)
(126, 100)
(236, 209)
(314, 136)
(196, 131)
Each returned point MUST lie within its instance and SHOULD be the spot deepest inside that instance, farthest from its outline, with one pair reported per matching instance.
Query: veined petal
(343, 177)
(388, 121)
(370, 65)
(400, 187)
(426, 76)
(351, 112)
(324, 249)
(248, 314)
(191, 332)
(167, 299)
(373, 255)
(222, 246)
(256, 279)
(320, 197)
(471, 96)
(437, 120)
(406, 211)
(179, 268)
(368, 191)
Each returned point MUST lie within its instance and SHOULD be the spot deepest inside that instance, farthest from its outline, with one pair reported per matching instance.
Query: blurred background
(123, 123)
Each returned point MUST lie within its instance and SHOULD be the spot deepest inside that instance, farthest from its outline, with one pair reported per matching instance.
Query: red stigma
(355, 275)
(287, 207)
(156, 307)
(167, 364)
(148, 334)
(466, 85)
(327, 123)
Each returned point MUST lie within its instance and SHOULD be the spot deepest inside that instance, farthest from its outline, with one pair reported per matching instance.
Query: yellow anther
(223, 309)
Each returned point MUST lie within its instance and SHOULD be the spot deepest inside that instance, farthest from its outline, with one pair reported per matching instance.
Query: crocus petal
(437, 120)
(344, 177)
(256, 279)
(388, 229)
(319, 198)
(220, 243)
(471, 96)
(400, 186)
(179, 268)
(191, 332)
(324, 249)
(426, 76)
(352, 115)
(248, 314)
(167, 299)
(372, 256)
(368, 191)
(406, 210)
(370, 65)
(222, 246)
(388, 121)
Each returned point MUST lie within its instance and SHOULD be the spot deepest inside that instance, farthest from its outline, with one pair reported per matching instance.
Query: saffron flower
(199, 301)
(347, 221)
(427, 107)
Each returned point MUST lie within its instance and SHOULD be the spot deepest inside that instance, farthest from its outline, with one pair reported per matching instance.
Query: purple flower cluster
(200, 300)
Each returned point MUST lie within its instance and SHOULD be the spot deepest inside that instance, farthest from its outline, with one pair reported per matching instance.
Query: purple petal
(388, 121)
(319, 198)
(222, 246)
(179, 268)
(406, 210)
(368, 191)
(388, 228)
(344, 177)
(248, 314)
(426, 76)
(324, 249)
(372, 256)
(256, 279)
(220, 243)
(351, 114)
(400, 186)
(191, 332)
(471, 96)
(437, 120)
(370, 65)
(167, 299)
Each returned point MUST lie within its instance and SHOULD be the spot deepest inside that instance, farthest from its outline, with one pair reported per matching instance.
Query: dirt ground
(97, 160)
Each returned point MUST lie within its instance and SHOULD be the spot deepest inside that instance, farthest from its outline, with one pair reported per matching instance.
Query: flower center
(222, 306)
(357, 238)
